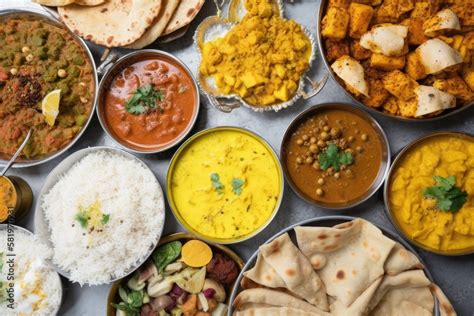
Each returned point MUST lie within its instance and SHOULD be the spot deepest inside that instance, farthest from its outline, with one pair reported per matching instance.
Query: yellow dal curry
(261, 59)
(226, 184)
(417, 215)
(7, 198)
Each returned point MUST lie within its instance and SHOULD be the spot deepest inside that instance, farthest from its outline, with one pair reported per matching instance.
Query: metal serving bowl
(114, 68)
(384, 167)
(41, 226)
(39, 13)
(320, 40)
(113, 296)
(324, 221)
(386, 193)
(176, 157)
(24, 198)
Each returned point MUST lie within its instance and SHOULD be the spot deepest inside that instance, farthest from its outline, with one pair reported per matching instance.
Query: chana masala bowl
(335, 155)
(148, 101)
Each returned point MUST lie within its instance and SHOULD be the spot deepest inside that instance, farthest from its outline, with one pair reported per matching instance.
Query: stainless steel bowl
(114, 68)
(384, 167)
(446, 113)
(324, 221)
(386, 193)
(41, 227)
(39, 13)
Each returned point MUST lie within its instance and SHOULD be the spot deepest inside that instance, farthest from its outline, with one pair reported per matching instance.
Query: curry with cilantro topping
(332, 156)
(150, 104)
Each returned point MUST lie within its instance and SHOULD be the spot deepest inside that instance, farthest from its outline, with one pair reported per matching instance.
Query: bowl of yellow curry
(225, 184)
(429, 193)
(254, 57)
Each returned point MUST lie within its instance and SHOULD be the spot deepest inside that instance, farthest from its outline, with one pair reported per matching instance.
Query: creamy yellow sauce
(7, 198)
(219, 209)
(417, 215)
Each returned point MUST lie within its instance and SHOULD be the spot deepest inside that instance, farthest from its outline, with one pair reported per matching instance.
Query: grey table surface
(455, 275)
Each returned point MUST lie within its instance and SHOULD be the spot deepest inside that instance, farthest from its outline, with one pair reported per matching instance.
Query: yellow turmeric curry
(8, 198)
(261, 59)
(420, 216)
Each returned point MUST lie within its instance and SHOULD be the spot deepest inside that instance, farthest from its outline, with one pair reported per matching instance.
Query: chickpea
(319, 192)
(349, 150)
(84, 99)
(359, 149)
(324, 136)
(305, 137)
(313, 148)
(321, 143)
(350, 138)
(337, 175)
(29, 57)
(25, 49)
(330, 171)
(326, 128)
(364, 137)
(13, 71)
(309, 160)
(316, 165)
(335, 132)
(313, 140)
(299, 160)
(299, 142)
(62, 73)
(349, 173)
(320, 181)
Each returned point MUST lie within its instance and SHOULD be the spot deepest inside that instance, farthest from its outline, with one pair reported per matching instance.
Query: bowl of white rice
(102, 212)
(28, 283)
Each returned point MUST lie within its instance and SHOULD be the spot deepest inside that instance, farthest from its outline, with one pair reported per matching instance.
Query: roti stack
(348, 269)
(126, 23)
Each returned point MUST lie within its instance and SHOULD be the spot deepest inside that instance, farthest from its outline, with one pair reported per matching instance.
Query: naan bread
(401, 260)
(355, 253)
(113, 23)
(158, 26)
(274, 298)
(264, 274)
(444, 304)
(184, 14)
(292, 270)
(54, 3)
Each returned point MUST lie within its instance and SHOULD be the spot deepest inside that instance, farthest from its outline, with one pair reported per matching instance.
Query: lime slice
(50, 106)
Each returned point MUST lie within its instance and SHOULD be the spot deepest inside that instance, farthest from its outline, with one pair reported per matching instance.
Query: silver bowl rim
(319, 39)
(81, 42)
(388, 212)
(41, 224)
(321, 219)
(179, 151)
(120, 64)
(385, 163)
(27, 232)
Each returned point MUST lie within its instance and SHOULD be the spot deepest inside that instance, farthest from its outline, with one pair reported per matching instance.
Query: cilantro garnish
(216, 183)
(237, 185)
(448, 197)
(333, 157)
(82, 218)
(105, 219)
(144, 100)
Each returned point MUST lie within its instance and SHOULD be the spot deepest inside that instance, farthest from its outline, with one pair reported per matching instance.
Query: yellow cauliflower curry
(261, 59)
(419, 216)
(226, 184)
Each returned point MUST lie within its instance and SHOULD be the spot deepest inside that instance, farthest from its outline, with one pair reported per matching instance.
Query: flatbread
(355, 251)
(184, 14)
(158, 26)
(444, 304)
(89, 2)
(54, 3)
(292, 270)
(273, 311)
(401, 260)
(113, 23)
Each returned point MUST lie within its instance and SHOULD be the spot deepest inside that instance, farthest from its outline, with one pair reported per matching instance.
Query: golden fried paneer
(468, 76)
(416, 36)
(424, 9)
(464, 9)
(360, 17)
(391, 105)
(390, 11)
(400, 85)
(380, 61)
(377, 93)
(455, 86)
(414, 67)
(343, 4)
(359, 52)
(335, 23)
(336, 49)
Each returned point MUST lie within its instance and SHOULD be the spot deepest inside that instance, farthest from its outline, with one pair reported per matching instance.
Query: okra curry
(332, 156)
(37, 58)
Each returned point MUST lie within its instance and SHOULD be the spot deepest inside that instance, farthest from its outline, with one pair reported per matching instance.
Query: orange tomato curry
(159, 126)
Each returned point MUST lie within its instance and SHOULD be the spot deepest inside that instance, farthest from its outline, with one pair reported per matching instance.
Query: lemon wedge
(50, 106)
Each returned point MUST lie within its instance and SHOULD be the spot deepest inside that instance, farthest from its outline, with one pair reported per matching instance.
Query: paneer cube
(407, 108)
(455, 86)
(468, 76)
(360, 17)
(359, 52)
(391, 105)
(387, 63)
(334, 24)
(251, 80)
(377, 93)
(416, 36)
(336, 49)
(282, 93)
(229, 80)
(343, 4)
(400, 85)
(291, 85)
(391, 10)
(414, 67)
(424, 9)
(280, 70)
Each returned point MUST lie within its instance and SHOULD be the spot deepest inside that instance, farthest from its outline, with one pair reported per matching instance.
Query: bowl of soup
(335, 155)
(225, 184)
(148, 101)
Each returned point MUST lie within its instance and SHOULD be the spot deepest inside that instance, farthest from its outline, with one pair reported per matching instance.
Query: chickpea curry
(332, 156)
(37, 58)
(261, 59)
(150, 104)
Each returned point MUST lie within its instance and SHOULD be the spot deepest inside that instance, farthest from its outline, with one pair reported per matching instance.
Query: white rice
(32, 272)
(129, 192)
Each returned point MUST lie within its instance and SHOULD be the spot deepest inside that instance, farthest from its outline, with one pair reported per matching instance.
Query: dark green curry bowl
(67, 128)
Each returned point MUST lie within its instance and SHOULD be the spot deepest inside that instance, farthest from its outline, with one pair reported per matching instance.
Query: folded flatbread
(355, 253)
(274, 311)
(400, 260)
(184, 14)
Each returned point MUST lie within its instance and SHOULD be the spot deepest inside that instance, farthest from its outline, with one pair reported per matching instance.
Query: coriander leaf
(144, 100)
(82, 218)
(216, 183)
(448, 197)
(345, 158)
(333, 157)
(445, 183)
(105, 219)
(129, 310)
(135, 299)
(237, 186)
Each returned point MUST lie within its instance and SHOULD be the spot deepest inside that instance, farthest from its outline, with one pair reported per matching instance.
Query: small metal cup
(24, 199)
